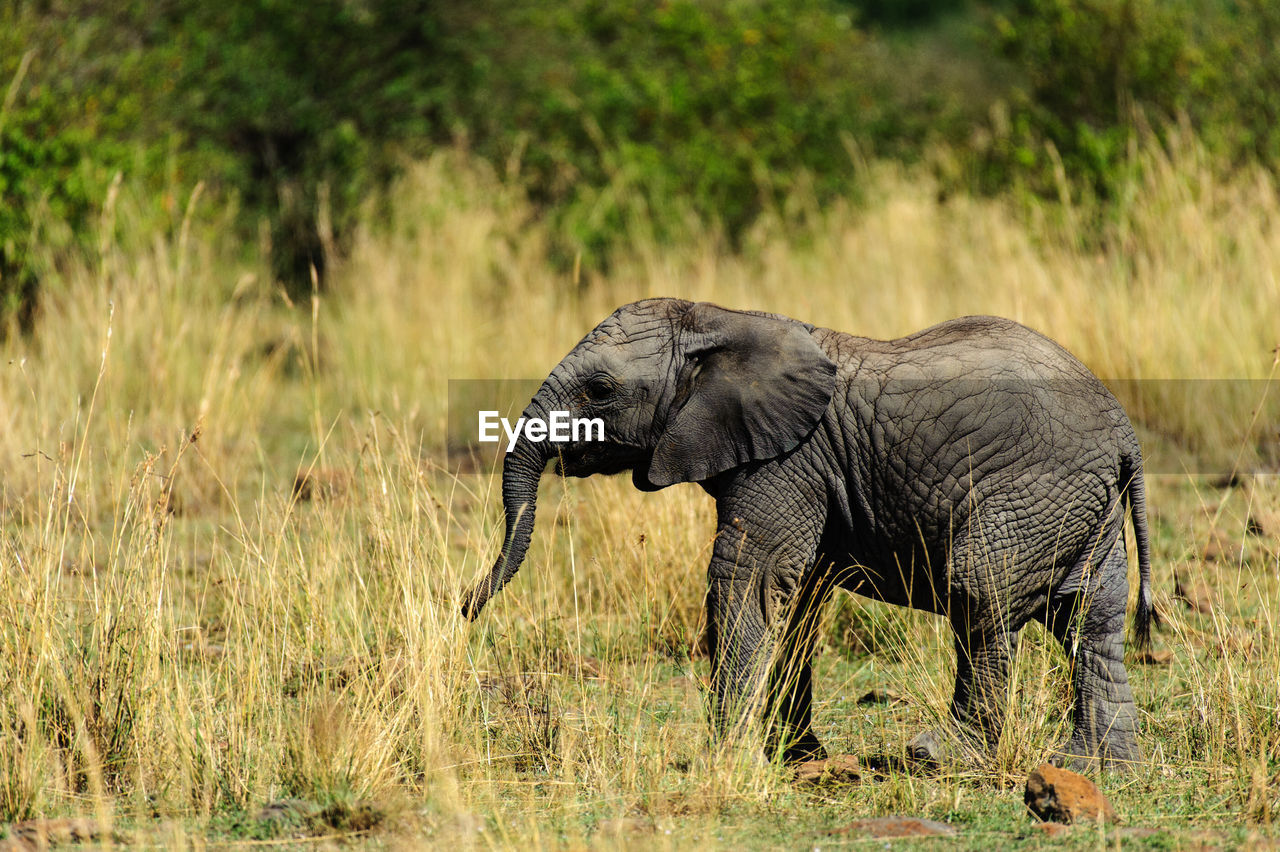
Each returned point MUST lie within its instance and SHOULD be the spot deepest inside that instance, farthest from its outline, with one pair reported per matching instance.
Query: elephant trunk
(521, 470)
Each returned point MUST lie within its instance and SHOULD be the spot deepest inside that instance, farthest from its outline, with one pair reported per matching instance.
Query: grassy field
(231, 545)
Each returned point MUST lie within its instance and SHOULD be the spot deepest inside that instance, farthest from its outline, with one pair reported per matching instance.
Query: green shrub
(630, 111)
(47, 125)
(1090, 72)
(302, 109)
(1240, 76)
(619, 118)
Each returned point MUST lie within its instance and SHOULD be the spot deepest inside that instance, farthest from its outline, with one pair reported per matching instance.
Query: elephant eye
(599, 388)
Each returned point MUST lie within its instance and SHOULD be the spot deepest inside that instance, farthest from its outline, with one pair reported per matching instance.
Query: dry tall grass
(185, 633)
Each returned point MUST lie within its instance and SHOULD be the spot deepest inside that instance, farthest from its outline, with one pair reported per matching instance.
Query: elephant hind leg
(1090, 625)
(986, 617)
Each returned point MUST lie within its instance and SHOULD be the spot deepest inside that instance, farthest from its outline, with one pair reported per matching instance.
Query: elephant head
(686, 392)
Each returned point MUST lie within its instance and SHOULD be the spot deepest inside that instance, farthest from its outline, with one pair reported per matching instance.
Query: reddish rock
(320, 484)
(1151, 657)
(896, 826)
(1196, 594)
(1052, 829)
(1222, 547)
(881, 696)
(1263, 523)
(840, 769)
(1060, 795)
(36, 834)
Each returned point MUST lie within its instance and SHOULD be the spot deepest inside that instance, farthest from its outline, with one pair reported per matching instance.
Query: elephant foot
(1079, 757)
(925, 751)
(935, 748)
(803, 749)
(924, 755)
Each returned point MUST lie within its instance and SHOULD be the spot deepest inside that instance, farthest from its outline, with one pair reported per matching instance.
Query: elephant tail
(1135, 488)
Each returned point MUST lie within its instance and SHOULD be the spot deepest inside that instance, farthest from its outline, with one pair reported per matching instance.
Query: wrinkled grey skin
(974, 469)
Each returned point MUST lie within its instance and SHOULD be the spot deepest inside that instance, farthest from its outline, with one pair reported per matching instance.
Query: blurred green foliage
(621, 119)
(634, 114)
(64, 125)
(1093, 71)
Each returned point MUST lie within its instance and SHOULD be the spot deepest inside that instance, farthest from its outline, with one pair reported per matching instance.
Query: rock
(43, 833)
(837, 770)
(1060, 795)
(320, 484)
(1151, 657)
(896, 826)
(1263, 523)
(881, 696)
(1196, 594)
(1222, 547)
(625, 825)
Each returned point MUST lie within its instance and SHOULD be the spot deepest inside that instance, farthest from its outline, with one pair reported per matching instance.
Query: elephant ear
(751, 387)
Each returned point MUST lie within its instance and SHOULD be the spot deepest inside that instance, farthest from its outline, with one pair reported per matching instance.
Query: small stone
(896, 826)
(1051, 829)
(625, 825)
(1195, 594)
(43, 833)
(1263, 523)
(1151, 657)
(837, 770)
(1060, 795)
(881, 696)
(924, 751)
(320, 484)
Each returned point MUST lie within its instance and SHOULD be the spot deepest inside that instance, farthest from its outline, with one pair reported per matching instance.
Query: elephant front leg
(738, 650)
(755, 675)
(759, 650)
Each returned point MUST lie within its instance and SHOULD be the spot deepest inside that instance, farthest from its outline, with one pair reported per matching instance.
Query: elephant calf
(974, 469)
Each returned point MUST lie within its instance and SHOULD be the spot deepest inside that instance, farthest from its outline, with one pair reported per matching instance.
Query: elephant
(974, 469)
